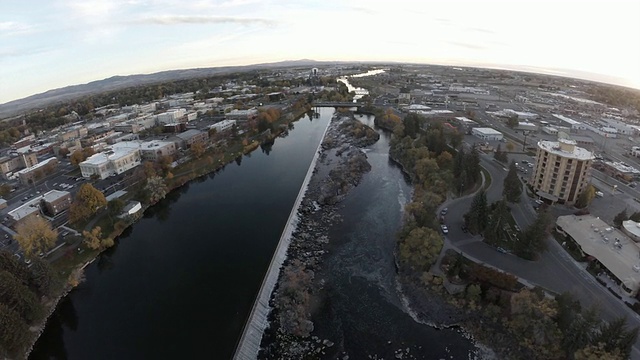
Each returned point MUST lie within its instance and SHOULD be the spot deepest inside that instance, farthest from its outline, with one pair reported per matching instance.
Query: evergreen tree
(635, 216)
(494, 232)
(512, 187)
(585, 197)
(532, 240)
(476, 218)
(618, 219)
(501, 155)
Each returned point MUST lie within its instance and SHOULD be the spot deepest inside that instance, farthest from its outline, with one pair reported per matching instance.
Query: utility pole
(524, 144)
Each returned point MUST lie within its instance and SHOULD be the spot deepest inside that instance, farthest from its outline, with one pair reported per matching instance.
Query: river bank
(189, 174)
(342, 258)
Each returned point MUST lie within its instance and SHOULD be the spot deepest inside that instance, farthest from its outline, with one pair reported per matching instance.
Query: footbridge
(337, 104)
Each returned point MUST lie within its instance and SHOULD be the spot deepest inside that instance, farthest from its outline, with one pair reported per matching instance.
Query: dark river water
(181, 282)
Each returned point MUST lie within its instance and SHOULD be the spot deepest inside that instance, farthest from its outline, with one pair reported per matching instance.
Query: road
(556, 270)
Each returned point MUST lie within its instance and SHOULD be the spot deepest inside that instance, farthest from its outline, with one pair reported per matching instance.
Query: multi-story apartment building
(561, 171)
(9, 164)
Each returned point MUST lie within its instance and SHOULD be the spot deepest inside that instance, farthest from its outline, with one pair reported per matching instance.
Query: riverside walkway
(257, 322)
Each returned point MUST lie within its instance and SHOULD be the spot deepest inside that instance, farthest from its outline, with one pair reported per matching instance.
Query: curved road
(556, 270)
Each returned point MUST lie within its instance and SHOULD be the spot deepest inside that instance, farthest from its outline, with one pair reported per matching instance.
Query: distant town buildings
(223, 125)
(561, 171)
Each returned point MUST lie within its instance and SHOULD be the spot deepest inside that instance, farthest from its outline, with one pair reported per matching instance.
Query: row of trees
(427, 155)
(21, 291)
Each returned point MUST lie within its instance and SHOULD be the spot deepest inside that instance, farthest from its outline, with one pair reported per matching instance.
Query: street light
(524, 144)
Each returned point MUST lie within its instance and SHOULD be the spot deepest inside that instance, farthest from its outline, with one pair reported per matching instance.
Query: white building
(111, 162)
(223, 125)
(570, 123)
(171, 116)
(487, 134)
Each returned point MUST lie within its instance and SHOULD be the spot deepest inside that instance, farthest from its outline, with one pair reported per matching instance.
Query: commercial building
(111, 162)
(152, 150)
(487, 134)
(36, 172)
(56, 201)
(29, 209)
(172, 116)
(9, 164)
(610, 247)
(573, 125)
(242, 115)
(619, 170)
(190, 137)
(223, 125)
(562, 170)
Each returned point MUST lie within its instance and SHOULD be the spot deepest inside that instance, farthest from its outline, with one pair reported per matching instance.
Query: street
(556, 270)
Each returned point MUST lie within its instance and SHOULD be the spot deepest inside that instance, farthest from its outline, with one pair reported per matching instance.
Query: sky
(47, 44)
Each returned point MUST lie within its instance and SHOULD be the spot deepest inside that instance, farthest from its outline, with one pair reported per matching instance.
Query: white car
(599, 194)
(445, 229)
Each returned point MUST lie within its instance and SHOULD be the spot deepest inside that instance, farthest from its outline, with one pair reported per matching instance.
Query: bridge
(337, 104)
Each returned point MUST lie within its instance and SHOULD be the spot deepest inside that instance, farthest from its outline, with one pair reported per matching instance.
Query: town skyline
(49, 45)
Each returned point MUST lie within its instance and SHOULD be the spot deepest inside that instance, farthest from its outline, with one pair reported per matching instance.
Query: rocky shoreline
(340, 167)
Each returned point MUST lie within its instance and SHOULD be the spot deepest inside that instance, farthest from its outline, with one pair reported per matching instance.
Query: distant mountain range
(67, 93)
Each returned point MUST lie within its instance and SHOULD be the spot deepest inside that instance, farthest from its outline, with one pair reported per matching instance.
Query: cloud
(9, 28)
(8, 53)
(480, 30)
(467, 45)
(200, 19)
(364, 10)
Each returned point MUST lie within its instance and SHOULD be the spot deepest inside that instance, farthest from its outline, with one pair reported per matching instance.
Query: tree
(19, 298)
(473, 292)
(92, 238)
(5, 189)
(86, 203)
(35, 235)
(586, 196)
(476, 218)
(420, 248)
(614, 335)
(512, 187)
(532, 240)
(510, 146)
(155, 189)
(76, 158)
(619, 218)
(501, 155)
(494, 231)
(165, 162)
(14, 332)
(513, 121)
(197, 149)
(635, 216)
(115, 206)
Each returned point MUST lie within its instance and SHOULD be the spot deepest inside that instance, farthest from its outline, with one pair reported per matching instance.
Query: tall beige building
(562, 170)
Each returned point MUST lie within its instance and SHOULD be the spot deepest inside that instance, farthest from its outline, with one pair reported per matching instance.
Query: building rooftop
(54, 195)
(114, 154)
(555, 148)
(616, 251)
(188, 134)
(566, 119)
(632, 227)
(25, 209)
(622, 167)
(487, 131)
(36, 166)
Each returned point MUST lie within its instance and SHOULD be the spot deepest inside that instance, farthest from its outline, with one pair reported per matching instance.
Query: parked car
(444, 211)
(501, 250)
(599, 194)
(445, 229)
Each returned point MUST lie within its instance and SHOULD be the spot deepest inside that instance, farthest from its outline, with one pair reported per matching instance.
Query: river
(181, 282)
(365, 307)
